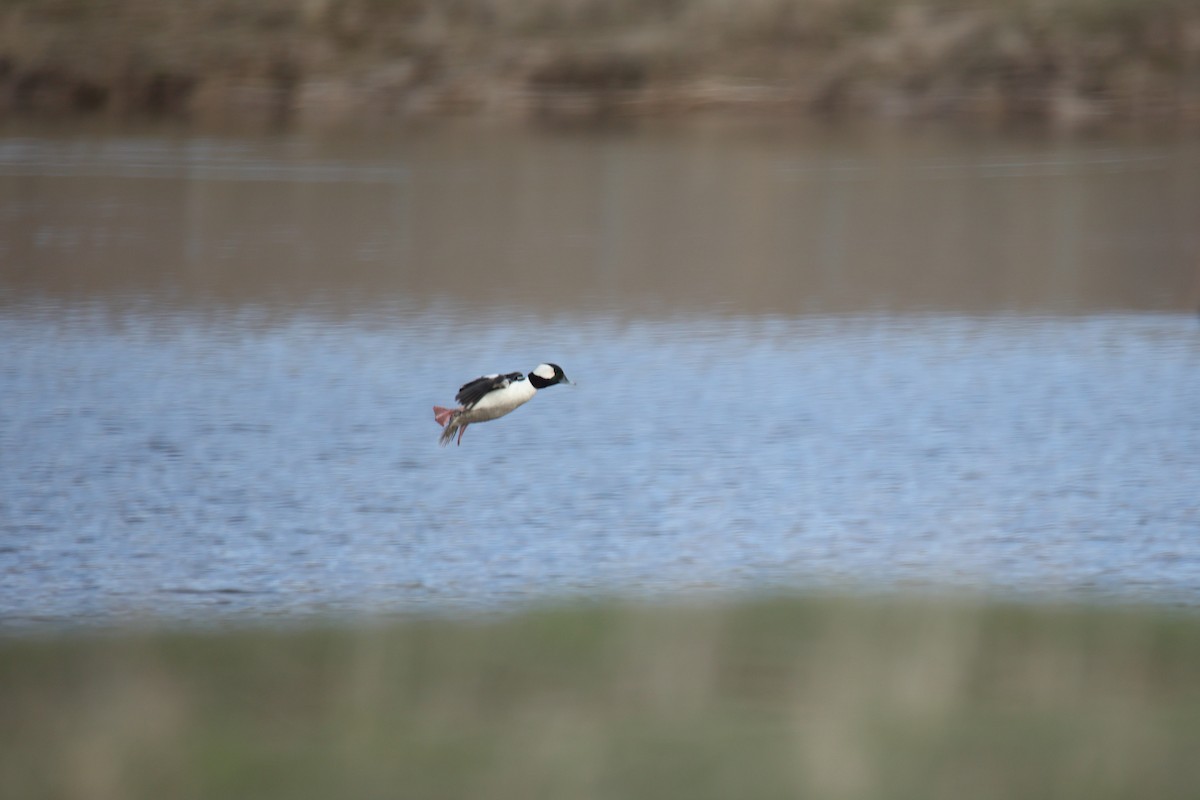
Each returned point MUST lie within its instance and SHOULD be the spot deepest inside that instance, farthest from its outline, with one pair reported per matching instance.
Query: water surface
(801, 364)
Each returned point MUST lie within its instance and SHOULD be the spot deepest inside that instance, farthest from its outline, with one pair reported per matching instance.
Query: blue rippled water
(195, 464)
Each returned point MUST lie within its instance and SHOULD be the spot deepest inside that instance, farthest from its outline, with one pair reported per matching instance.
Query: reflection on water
(802, 360)
(193, 464)
(777, 221)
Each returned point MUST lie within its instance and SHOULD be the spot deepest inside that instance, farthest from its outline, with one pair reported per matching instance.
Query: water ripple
(192, 465)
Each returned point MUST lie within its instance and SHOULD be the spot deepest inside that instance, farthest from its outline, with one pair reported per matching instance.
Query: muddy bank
(326, 62)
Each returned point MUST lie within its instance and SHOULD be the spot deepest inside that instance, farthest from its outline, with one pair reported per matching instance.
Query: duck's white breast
(501, 401)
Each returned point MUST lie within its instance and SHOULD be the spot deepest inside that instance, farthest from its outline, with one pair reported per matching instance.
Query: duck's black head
(545, 375)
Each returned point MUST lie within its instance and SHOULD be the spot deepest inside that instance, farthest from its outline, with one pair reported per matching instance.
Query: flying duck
(493, 396)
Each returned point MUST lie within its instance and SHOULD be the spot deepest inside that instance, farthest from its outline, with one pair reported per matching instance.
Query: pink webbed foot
(443, 415)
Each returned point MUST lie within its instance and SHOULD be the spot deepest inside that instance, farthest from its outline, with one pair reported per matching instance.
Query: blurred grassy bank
(326, 62)
(817, 698)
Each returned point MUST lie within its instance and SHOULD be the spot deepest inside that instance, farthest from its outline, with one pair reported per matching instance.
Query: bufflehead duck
(493, 396)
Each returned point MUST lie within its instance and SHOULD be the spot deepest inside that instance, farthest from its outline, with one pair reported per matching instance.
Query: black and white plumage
(492, 396)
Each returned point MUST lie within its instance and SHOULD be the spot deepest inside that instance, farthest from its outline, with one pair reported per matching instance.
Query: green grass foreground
(783, 698)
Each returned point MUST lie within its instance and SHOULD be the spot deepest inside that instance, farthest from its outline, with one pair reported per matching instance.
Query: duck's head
(544, 375)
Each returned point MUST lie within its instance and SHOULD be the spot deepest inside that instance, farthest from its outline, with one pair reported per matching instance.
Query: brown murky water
(746, 220)
(805, 358)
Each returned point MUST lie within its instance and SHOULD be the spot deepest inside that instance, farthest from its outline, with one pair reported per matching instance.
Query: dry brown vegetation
(1068, 62)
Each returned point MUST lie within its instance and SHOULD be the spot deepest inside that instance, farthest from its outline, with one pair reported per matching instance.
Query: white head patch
(544, 371)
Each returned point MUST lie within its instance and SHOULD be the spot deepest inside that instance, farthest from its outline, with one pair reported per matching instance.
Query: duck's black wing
(473, 391)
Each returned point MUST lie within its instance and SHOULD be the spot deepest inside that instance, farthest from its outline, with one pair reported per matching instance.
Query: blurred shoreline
(1064, 64)
(790, 697)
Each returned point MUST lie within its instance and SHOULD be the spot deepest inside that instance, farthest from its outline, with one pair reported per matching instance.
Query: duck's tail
(448, 419)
